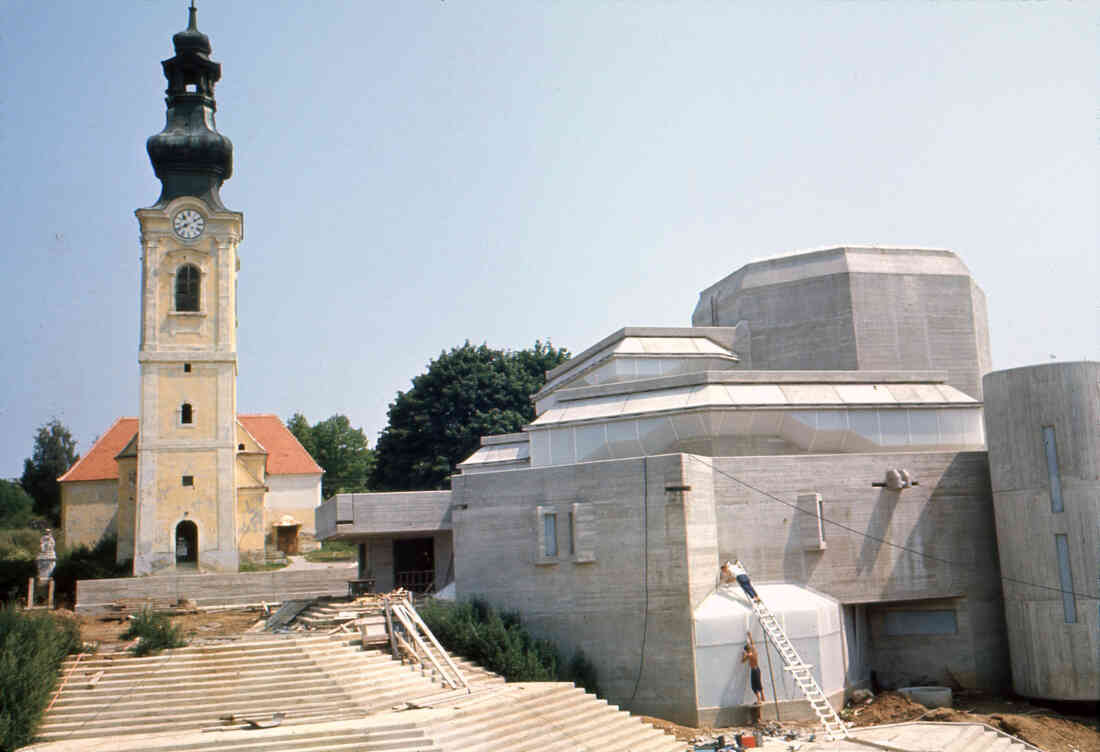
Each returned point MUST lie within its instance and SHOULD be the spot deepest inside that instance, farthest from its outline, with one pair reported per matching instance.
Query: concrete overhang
(352, 516)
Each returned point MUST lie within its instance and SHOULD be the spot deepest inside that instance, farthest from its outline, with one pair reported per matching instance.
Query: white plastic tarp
(812, 623)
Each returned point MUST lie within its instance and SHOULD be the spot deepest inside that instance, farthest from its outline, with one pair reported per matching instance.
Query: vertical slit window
(550, 535)
(186, 413)
(572, 535)
(1069, 604)
(1050, 445)
(187, 288)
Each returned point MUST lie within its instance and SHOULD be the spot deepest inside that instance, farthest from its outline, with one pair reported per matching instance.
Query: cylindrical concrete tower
(1043, 432)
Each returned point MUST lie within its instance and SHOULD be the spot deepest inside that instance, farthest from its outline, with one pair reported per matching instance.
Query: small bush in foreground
(498, 641)
(32, 647)
(156, 631)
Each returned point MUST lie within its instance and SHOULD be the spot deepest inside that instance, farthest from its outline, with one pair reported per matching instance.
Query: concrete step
(541, 727)
(492, 728)
(202, 714)
(962, 741)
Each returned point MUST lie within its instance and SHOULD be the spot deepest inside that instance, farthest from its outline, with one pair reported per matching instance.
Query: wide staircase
(306, 678)
(330, 694)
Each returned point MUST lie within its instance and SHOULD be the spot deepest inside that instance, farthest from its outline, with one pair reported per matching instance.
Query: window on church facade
(186, 413)
(187, 288)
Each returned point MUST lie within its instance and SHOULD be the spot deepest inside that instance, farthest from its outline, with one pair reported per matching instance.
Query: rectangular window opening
(572, 535)
(1050, 446)
(550, 535)
(1069, 603)
(188, 480)
(187, 368)
(921, 623)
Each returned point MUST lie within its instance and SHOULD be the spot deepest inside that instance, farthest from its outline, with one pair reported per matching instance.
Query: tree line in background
(465, 393)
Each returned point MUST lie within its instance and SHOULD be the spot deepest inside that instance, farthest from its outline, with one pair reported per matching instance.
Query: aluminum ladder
(835, 729)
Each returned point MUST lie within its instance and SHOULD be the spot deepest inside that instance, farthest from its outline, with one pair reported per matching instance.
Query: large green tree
(338, 448)
(16, 505)
(465, 394)
(54, 453)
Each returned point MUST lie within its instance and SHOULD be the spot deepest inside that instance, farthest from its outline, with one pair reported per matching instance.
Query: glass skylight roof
(750, 395)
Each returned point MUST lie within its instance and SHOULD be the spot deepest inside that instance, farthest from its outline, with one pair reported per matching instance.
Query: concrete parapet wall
(353, 516)
(215, 589)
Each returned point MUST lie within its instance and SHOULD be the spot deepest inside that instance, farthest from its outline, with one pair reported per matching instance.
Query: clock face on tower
(188, 224)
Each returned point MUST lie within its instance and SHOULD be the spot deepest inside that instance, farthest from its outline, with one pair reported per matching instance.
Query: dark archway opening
(414, 564)
(187, 544)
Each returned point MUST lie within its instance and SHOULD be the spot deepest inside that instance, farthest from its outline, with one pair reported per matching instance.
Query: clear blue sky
(415, 174)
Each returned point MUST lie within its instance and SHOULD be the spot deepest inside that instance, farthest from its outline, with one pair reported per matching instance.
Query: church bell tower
(184, 514)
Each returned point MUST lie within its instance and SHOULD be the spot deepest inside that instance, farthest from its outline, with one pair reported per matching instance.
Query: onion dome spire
(189, 156)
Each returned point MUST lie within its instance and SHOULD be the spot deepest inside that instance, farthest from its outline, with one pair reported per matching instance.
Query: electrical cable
(645, 573)
(877, 539)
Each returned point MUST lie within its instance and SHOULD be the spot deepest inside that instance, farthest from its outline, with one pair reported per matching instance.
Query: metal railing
(416, 581)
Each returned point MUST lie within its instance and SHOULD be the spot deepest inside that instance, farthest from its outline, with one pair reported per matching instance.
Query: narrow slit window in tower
(187, 414)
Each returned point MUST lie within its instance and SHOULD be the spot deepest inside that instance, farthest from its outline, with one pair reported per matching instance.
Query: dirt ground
(1042, 727)
(1045, 728)
(106, 630)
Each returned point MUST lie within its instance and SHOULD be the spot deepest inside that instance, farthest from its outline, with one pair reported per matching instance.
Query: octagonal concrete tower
(857, 308)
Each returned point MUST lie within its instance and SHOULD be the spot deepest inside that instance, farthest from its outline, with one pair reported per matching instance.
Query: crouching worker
(733, 571)
(754, 669)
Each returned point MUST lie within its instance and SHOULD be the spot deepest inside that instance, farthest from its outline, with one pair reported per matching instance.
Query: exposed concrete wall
(88, 511)
(216, 589)
(858, 308)
(948, 516)
(1050, 658)
(629, 608)
(352, 516)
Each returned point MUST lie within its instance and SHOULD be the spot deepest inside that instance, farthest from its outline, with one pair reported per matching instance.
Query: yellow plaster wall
(187, 328)
(200, 389)
(88, 511)
(175, 501)
(250, 523)
(127, 495)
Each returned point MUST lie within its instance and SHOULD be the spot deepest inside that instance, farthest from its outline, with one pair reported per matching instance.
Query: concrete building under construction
(823, 422)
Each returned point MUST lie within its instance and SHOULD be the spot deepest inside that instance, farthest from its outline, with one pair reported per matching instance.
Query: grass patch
(499, 642)
(334, 551)
(261, 566)
(32, 647)
(156, 631)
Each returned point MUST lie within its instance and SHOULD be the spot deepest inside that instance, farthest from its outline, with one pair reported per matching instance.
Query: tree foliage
(465, 394)
(54, 453)
(341, 450)
(16, 505)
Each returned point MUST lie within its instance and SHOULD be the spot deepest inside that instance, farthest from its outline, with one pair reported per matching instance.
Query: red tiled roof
(99, 462)
(285, 456)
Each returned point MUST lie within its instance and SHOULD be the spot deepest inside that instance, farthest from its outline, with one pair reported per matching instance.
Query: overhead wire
(877, 539)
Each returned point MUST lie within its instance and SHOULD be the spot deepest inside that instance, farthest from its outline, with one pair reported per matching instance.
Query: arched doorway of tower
(187, 544)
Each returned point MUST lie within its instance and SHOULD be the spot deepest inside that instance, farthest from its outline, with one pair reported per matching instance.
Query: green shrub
(498, 641)
(14, 574)
(83, 563)
(156, 631)
(247, 565)
(32, 647)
